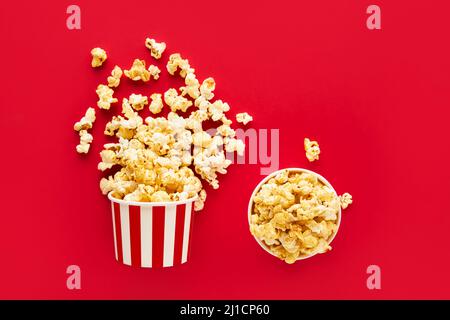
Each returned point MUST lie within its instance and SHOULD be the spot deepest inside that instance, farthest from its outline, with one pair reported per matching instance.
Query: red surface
(377, 102)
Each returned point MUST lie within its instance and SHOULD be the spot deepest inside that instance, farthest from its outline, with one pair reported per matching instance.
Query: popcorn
(138, 71)
(243, 118)
(114, 78)
(105, 97)
(124, 127)
(294, 214)
(138, 101)
(157, 154)
(108, 159)
(162, 159)
(217, 109)
(200, 202)
(192, 87)
(82, 126)
(154, 71)
(156, 49)
(86, 121)
(98, 57)
(156, 105)
(177, 62)
(226, 131)
(85, 142)
(176, 102)
(232, 145)
(312, 149)
(345, 200)
(207, 88)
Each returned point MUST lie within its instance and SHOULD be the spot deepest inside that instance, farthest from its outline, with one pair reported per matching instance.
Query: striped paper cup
(152, 234)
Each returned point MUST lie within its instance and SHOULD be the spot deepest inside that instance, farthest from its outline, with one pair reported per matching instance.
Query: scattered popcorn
(138, 101)
(192, 87)
(108, 159)
(312, 150)
(294, 214)
(345, 200)
(87, 121)
(176, 62)
(207, 88)
(114, 78)
(232, 145)
(138, 71)
(154, 71)
(98, 57)
(243, 118)
(156, 49)
(161, 159)
(217, 109)
(105, 97)
(85, 142)
(157, 104)
(200, 202)
(82, 126)
(176, 102)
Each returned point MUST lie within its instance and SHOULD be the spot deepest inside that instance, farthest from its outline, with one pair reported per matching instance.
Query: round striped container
(152, 234)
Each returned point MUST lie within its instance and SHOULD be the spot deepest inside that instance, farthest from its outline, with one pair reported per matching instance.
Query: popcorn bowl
(291, 170)
(152, 234)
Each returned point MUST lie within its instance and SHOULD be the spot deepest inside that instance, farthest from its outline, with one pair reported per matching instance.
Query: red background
(377, 102)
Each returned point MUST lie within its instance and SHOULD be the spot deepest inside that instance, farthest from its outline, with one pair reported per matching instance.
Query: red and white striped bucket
(152, 234)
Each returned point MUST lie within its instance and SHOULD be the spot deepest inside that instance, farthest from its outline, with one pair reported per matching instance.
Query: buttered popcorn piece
(294, 214)
(98, 57)
(177, 62)
(86, 121)
(175, 101)
(105, 97)
(85, 142)
(346, 199)
(200, 202)
(154, 71)
(114, 78)
(156, 49)
(138, 101)
(138, 71)
(312, 150)
(243, 118)
(217, 109)
(82, 126)
(207, 88)
(234, 145)
(157, 104)
(192, 87)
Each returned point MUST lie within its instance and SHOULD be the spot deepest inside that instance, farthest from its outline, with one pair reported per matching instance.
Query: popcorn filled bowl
(294, 214)
(152, 234)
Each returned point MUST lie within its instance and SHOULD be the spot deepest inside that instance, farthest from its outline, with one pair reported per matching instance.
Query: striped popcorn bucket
(152, 234)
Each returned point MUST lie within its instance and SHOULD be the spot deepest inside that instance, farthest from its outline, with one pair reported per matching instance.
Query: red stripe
(118, 231)
(135, 235)
(179, 231)
(158, 236)
(190, 231)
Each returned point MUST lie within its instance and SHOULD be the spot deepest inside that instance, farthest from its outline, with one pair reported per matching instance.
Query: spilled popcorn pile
(162, 158)
(294, 214)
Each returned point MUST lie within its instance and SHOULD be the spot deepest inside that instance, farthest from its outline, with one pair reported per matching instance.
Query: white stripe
(125, 226)
(146, 236)
(114, 229)
(169, 235)
(187, 226)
